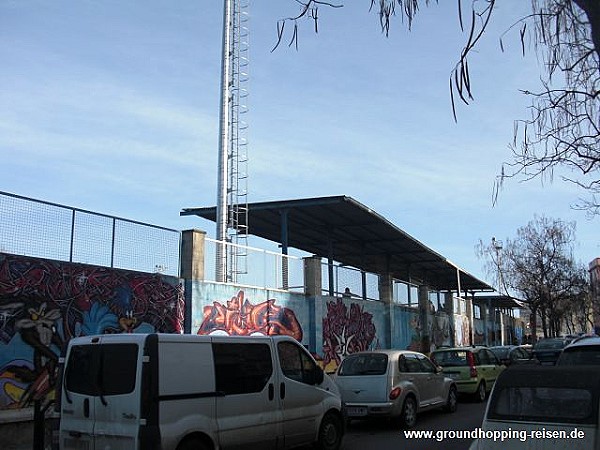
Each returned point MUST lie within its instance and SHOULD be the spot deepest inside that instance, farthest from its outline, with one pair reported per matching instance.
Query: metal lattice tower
(232, 186)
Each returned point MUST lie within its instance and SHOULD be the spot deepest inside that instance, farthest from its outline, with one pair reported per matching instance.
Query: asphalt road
(382, 435)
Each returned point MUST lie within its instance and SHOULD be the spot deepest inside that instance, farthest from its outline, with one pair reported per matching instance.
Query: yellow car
(473, 369)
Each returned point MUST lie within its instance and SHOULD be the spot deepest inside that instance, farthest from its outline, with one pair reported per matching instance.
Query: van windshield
(364, 364)
(98, 370)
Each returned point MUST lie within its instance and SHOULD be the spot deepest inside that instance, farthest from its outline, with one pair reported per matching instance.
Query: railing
(262, 269)
(36, 228)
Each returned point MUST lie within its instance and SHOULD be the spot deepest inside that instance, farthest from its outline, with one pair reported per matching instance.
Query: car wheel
(330, 433)
(452, 401)
(481, 393)
(409, 412)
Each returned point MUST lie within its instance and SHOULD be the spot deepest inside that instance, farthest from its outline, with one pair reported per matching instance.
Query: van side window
(242, 368)
(295, 363)
(108, 369)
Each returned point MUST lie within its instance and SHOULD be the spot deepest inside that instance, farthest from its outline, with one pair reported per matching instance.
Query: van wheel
(480, 394)
(330, 432)
(193, 444)
(409, 412)
(452, 401)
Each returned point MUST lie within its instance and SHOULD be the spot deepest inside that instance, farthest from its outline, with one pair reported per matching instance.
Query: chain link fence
(40, 229)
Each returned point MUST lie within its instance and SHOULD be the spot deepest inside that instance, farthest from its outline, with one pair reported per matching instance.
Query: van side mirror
(315, 376)
(319, 375)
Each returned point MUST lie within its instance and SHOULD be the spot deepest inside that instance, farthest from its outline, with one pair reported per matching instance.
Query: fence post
(38, 426)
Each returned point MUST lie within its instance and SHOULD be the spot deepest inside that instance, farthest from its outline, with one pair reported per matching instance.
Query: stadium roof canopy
(344, 230)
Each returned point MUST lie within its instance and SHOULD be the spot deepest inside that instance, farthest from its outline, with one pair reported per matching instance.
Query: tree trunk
(533, 323)
(592, 11)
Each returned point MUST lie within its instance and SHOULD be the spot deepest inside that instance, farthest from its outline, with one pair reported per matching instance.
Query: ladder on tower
(237, 189)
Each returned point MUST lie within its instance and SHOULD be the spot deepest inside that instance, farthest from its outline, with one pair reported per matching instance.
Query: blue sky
(113, 106)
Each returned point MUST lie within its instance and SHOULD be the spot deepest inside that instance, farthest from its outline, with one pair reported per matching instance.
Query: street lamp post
(498, 248)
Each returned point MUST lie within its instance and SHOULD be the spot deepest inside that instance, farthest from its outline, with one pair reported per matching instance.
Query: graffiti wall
(45, 303)
(462, 330)
(480, 331)
(350, 326)
(221, 309)
(329, 327)
(407, 328)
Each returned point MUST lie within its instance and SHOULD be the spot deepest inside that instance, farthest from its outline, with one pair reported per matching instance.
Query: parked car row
(192, 392)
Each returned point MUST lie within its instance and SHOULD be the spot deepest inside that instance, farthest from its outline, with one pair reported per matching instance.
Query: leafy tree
(562, 133)
(537, 266)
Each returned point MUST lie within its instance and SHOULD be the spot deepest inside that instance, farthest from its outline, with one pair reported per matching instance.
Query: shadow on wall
(45, 303)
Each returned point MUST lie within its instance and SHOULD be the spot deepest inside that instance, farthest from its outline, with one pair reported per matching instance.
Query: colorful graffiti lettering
(345, 332)
(239, 317)
(45, 303)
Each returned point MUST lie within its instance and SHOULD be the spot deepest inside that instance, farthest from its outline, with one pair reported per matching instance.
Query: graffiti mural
(239, 317)
(462, 331)
(346, 332)
(479, 331)
(45, 303)
(440, 330)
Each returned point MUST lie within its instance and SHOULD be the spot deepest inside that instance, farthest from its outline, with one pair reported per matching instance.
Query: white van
(188, 392)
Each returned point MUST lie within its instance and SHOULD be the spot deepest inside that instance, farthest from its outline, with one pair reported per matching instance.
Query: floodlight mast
(232, 200)
(223, 160)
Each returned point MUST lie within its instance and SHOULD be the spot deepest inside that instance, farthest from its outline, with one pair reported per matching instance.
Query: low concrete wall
(17, 430)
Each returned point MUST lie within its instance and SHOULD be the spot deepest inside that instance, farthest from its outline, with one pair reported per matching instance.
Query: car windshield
(550, 344)
(580, 355)
(500, 352)
(448, 358)
(364, 364)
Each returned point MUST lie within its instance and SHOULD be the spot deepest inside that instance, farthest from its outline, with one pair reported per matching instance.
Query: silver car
(393, 383)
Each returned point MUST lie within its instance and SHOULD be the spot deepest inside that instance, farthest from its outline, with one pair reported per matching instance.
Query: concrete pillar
(469, 314)
(313, 283)
(313, 289)
(449, 303)
(424, 312)
(192, 254)
(449, 309)
(386, 288)
(386, 295)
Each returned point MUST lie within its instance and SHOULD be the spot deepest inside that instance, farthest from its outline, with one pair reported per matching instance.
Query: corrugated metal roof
(352, 234)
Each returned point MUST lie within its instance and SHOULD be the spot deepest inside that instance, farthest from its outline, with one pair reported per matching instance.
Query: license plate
(454, 376)
(356, 411)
